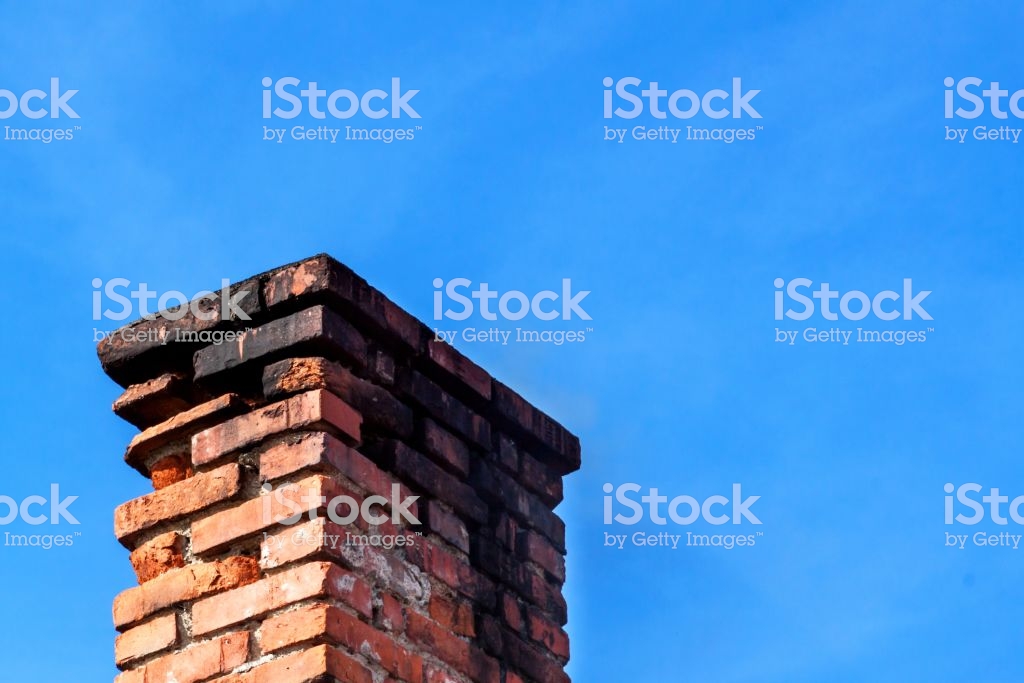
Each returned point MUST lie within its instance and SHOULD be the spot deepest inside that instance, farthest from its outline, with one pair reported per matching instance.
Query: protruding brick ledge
(332, 390)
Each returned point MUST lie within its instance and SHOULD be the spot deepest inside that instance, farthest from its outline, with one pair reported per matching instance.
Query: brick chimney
(332, 402)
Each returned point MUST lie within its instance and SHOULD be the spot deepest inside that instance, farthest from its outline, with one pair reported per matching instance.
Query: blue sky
(680, 386)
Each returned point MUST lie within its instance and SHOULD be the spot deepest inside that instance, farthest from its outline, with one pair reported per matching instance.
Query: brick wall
(332, 393)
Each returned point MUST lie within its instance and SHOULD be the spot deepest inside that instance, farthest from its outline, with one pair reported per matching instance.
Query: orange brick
(549, 634)
(458, 653)
(176, 501)
(313, 580)
(153, 401)
(197, 663)
(304, 411)
(261, 513)
(314, 621)
(153, 636)
(169, 470)
(454, 572)
(181, 426)
(306, 666)
(159, 555)
(322, 538)
(319, 448)
(180, 585)
(457, 617)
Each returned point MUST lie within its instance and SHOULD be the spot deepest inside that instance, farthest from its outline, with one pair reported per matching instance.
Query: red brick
(539, 478)
(181, 585)
(306, 666)
(462, 368)
(311, 410)
(447, 449)
(321, 538)
(180, 427)
(153, 401)
(453, 572)
(391, 616)
(145, 639)
(170, 470)
(535, 663)
(196, 663)
(319, 448)
(161, 554)
(447, 409)
(261, 513)
(549, 635)
(312, 329)
(424, 474)
(512, 612)
(176, 501)
(132, 358)
(553, 438)
(455, 616)
(458, 653)
(447, 526)
(380, 409)
(322, 276)
(320, 620)
(313, 580)
(535, 548)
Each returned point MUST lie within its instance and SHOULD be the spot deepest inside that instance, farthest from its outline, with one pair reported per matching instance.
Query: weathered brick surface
(159, 555)
(261, 513)
(313, 329)
(332, 390)
(176, 501)
(195, 663)
(313, 580)
(325, 621)
(183, 584)
(129, 355)
(379, 408)
(181, 426)
(314, 665)
(154, 401)
(145, 639)
(312, 410)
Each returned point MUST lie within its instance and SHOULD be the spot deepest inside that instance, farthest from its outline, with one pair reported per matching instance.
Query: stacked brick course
(330, 390)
